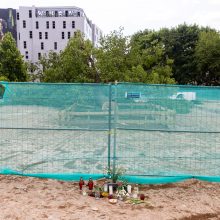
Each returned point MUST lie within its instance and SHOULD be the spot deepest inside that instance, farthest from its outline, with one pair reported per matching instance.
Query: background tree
(74, 64)
(139, 59)
(178, 55)
(112, 57)
(12, 66)
(148, 53)
(208, 58)
(179, 44)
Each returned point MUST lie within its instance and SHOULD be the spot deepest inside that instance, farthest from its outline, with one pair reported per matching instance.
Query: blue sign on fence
(132, 95)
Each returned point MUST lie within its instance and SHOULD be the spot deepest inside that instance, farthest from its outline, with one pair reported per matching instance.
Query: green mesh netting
(158, 133)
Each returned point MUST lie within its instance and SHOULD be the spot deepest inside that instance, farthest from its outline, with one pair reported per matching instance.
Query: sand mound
(31, 198)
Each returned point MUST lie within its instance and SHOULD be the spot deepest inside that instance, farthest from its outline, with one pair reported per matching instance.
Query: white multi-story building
(42, 29)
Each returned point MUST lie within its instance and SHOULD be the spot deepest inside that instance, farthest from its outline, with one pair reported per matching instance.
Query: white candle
(110, 190)
(105, 187)
(129, 189)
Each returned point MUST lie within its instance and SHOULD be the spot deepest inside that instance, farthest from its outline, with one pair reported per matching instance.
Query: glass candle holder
(84, 191)
(136, 189)
(97, 195)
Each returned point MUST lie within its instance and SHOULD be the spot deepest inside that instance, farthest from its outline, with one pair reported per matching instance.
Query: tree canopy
(12, 66)
(74, 64)
(208, 58)
(117, 59)
(186, 54)
(179, 44)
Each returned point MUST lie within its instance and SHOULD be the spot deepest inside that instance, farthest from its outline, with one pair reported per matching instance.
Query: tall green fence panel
(167, 130)
(158, 131)
(54, 128)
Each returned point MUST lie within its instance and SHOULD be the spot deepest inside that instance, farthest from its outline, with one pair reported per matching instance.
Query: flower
(114, 174)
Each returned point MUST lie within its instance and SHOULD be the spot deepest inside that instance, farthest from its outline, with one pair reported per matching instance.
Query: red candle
(81, 183)
(90, 184)
(142, 196)
(110, 196)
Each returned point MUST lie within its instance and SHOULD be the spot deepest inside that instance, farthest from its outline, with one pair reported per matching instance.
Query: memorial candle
(129, 189)
(110, 190)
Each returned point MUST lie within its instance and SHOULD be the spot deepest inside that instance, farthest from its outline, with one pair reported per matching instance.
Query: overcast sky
(135, 15)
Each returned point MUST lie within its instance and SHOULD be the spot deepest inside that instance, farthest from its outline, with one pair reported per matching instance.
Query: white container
(129, 189)
(110, 190)
(105, 187)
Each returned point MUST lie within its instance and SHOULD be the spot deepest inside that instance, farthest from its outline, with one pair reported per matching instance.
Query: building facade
(40, 29)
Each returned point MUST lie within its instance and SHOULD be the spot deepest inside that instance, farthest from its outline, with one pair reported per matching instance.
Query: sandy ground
(24, 198)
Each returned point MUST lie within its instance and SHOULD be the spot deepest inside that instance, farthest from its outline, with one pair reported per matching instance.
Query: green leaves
(74, 64)
(111, 57)
(12, 66)
(148, 53)
(118, 58)
(139, 59)
(189, 51)
(186, 54)
(207, 55)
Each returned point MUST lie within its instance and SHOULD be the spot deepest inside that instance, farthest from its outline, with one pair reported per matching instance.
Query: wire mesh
(150, 130)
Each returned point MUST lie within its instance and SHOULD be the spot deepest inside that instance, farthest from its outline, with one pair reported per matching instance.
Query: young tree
(112, 57)
(12, 66)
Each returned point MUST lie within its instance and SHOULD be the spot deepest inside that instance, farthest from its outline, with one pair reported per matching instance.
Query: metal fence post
(109, 126)
(115, 127)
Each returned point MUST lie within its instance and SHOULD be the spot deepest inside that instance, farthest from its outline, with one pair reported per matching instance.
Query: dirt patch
(33, 198)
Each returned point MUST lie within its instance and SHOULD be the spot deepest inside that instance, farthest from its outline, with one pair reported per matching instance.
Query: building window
(69, 35)
(26, 54)
(39, 56)
(30, 34)
(54, 25)
(37, 25)
(24, 24)
(63, 35)
(19, 36)
(18, 17)
(40, 35)
(73, 24)
(66, 13)
(47, 24)
(46, 35)
(25, 45)
(56, 13)
(30, 14)
(47, 14)
(78, 14)
(64, 24)
(55, 45)
(42, 46)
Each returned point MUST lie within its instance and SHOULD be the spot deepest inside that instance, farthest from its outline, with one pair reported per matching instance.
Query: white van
(190, 96)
